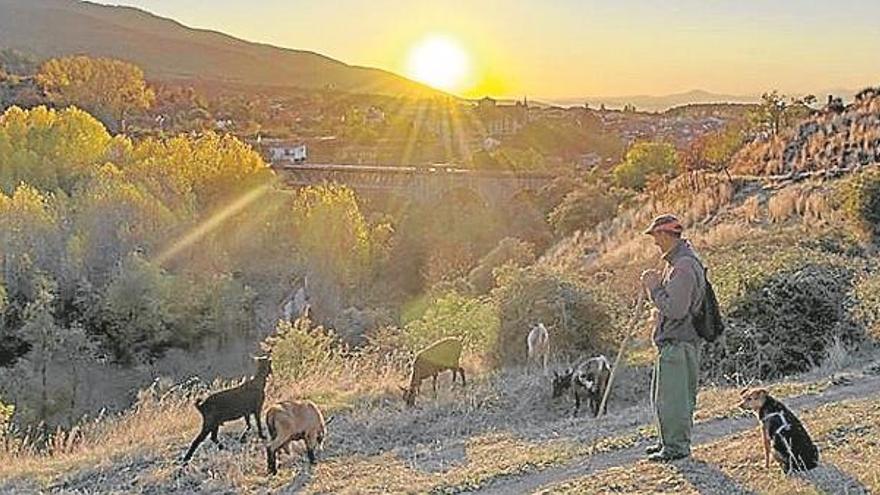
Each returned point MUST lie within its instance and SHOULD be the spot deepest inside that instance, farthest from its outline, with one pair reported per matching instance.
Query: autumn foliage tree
(107, 88)
(643, 160)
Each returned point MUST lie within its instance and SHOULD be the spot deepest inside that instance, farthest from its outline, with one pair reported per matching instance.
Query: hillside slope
(166, 49)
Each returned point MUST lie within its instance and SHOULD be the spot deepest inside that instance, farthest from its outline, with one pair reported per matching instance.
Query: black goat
(231, 404)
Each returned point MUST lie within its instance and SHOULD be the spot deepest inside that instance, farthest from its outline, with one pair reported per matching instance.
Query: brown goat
(289, 421)
(438, 357)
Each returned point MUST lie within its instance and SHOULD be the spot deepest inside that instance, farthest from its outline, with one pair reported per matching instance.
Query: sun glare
(440, 62)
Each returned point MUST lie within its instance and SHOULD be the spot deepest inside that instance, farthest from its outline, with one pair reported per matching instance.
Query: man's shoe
(664, 456)
(653, 449)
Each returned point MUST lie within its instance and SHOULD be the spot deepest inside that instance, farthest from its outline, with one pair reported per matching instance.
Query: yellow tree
(108, 88)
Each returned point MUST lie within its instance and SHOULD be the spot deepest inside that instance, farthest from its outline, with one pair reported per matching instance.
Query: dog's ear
(744, 392)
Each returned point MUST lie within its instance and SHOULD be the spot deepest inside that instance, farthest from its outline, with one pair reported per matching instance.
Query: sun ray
(211, 223)
(413, 135)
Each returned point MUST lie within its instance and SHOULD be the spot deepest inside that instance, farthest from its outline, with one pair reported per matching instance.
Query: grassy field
(504, 427)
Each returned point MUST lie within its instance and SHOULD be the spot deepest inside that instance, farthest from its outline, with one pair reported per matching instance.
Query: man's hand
(650, 279)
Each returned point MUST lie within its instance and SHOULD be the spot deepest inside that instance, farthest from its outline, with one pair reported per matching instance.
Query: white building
(284, 152)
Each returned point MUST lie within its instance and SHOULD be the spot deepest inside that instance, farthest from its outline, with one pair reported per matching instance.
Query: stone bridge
(494, 187)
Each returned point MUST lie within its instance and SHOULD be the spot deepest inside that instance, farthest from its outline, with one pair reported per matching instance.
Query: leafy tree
(30, 242)
(135, 310)
(108, 88)
(112, 218)
(334, 239)
(43, 336)
(715, 151)
(583, 209)
(49, 149)
(777, 111)
(643, 160)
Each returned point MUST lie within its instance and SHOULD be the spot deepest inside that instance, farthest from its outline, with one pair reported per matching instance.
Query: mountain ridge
(168, 49)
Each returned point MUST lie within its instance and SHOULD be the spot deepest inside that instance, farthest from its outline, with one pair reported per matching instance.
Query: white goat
(539, 345)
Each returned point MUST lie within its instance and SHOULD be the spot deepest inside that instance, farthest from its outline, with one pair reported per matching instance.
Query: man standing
(676, 293)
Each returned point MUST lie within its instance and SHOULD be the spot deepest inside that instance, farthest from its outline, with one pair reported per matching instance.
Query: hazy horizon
(591, 49)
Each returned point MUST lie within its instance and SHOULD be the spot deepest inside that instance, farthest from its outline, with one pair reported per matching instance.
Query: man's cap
(665, 223)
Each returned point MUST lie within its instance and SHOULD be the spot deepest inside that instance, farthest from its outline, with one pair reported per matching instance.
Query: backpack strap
(703, 268)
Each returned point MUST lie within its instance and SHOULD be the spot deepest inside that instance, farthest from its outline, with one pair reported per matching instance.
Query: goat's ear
(329, 420)
(403, 389)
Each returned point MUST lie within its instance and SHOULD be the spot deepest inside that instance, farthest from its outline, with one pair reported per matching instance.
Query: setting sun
(439, 62)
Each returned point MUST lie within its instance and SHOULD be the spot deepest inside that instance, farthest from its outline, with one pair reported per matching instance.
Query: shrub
(785, 324)
(861, 203)
(583, 209)
(867, 310)
(352, 324)
(474, 320)
(644, 160)
(6, 411)
(509, 251)
(298, 350)
(578, 322)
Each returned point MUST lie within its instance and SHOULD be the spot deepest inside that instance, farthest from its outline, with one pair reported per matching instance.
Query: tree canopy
(109, 89)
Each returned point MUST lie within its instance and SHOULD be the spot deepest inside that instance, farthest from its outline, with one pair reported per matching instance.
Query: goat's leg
(577, 403)
(247, 420)
(198, 440)
(214, 437)
(310, 449)
(461, 372)
(259, 425)
(434, 383)
(270, 460)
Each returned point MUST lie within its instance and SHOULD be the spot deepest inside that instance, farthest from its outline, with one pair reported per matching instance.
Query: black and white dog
(793, 448)
(587, 381)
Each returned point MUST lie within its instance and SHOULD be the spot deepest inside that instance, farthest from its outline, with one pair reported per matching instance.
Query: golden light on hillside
(440, 62)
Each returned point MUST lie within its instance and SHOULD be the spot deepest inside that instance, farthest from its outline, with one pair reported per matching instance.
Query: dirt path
(862, 387)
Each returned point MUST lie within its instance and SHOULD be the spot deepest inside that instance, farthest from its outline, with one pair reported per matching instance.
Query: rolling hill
(168, 50)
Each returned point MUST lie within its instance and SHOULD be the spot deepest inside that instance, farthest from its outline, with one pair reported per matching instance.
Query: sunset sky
(571, 48)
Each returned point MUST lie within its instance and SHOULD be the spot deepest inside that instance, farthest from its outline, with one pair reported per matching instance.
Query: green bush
(583, 209)
(643, 160)
(579, 323)
(509, 251)
(474, 320)
(785, 324)
(299, 350)
(861, 203)
(6, 411)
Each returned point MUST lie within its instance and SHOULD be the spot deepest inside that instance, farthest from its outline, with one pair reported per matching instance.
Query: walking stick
(637, 313)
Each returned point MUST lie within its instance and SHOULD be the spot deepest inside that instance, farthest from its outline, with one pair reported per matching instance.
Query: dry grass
(721, 402)
(145, 428)
(846, 433)
(433, 468)
(504, 424)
